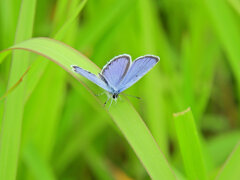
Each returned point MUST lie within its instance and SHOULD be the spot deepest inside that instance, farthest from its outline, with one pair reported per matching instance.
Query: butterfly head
(115, 95)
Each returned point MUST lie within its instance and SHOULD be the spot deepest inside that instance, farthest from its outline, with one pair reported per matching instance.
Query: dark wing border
(157, 59)
(114, 59)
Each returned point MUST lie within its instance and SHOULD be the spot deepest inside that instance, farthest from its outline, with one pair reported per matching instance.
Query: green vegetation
(52, 124)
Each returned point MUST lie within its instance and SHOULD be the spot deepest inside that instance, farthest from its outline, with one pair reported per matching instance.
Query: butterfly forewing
(91, 77)
(137, 70)
(116, 69)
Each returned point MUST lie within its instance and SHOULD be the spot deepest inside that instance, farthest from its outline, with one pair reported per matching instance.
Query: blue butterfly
(120, 73)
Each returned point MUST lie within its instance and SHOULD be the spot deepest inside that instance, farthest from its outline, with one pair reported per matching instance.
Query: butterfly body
(120, 73)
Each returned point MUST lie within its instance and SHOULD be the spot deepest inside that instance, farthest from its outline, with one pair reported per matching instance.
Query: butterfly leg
(110, 104)
(120, 98)
(106, 101)
(115, 100)
(132, 96)
(99, 94)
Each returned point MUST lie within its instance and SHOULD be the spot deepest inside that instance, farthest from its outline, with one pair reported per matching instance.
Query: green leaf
(132, 126)
(190, 145)
(230, 170)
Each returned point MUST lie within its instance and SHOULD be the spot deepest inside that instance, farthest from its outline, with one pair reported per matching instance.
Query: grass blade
(41, 170)
(141, 141)
(227, 27)
(40, 65)
(13, 110)
(60, 33)
(230, 170)
(50, 100)
(190, 145)
(99, 165)
(235, 4)
(81, 139)
(15, 85)
(226, 140)
(155, 116)
(133, 128)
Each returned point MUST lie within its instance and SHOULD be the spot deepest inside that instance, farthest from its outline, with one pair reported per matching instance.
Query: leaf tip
(182, 112)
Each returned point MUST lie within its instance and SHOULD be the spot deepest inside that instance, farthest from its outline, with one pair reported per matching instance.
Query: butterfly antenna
(132, 96)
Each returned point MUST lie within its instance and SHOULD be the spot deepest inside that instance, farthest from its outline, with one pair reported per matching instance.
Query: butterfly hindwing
(91, 77)
(116, 69)
(137, 70)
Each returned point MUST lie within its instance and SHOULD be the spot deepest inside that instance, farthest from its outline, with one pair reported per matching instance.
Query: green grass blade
(97, 28)
(2, 89)
(3, 56)
(9, 11)
(98, 164)
(14, 86)
(41, 170)
(81, 139)
(190, 145)
(44, 120)
(155, 116)
(13, 110)
(230, 170)
(40, 65)
(227, 27)
(225, 142)
(132, 127)
(188, 92)
(60, 33)
(141, 141)
(235, 4)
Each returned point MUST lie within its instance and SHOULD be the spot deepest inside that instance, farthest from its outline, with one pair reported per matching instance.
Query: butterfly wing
(137, 70)
(92, 77)
(116, 69)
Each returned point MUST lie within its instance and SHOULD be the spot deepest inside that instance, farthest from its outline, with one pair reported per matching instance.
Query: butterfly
(120, 73)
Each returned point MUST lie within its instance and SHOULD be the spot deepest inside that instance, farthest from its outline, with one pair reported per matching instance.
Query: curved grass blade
(51, 100)
(131, 125)
(37, 72)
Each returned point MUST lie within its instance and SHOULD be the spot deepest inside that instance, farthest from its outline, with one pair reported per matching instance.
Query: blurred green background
(65, 134)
